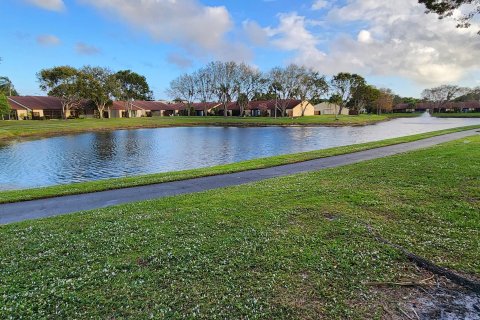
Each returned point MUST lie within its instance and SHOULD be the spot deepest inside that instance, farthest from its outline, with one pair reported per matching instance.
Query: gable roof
(120, 105)
(34, 102)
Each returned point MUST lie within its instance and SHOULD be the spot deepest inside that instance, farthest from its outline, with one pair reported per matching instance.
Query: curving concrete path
(20, 211)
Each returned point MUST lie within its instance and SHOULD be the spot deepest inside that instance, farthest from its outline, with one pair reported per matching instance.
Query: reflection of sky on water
(93, 156)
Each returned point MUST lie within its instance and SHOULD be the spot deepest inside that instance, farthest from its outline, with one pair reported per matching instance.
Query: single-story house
(118, 109)
(329, 108)
(465, 106)
(37, 107)
(204, 108)
(294, 108)
(403, 107)
(46, 107)
(150, 108)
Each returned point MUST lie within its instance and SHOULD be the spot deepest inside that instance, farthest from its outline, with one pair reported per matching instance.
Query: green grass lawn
(109, 184)
(15, 129)
(291, 247)
(457, 115)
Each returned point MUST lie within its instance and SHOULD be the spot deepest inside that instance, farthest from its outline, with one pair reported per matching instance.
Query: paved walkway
(14, 212)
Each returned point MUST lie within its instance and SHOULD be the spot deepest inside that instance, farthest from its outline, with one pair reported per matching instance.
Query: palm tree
(6, 86)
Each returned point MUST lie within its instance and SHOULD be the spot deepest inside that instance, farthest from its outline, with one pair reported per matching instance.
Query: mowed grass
(457, 115)
(291, 247)
(118, 183)
(16, 129)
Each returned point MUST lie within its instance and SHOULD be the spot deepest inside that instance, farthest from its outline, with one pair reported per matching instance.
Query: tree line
(442, 95)
(226, 82)
(96, 84)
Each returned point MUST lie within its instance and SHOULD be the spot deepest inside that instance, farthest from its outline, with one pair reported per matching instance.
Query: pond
(101, 155)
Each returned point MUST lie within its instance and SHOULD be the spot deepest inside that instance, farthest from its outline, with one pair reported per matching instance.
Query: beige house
(329, 108)
(299, 108)
(270, 108)
(37, 107)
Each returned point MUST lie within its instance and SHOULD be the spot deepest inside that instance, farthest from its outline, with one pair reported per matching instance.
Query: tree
(384, 101)
(441, 95)
(6, 87)
(284, 83)
(184, 88)
(61, 82)
(204, 84)
(364, 97)
(132, 86)
(446, 8)
(98, 85)
(311, 86)
(226, 79)
(250, 84)
(345, 85)
(4, 106)
(336, 100)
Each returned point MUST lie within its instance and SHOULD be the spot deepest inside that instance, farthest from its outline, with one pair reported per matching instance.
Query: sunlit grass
(291, 247)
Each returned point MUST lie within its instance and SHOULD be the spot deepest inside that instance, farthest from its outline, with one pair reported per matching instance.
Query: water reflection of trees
(105, 146)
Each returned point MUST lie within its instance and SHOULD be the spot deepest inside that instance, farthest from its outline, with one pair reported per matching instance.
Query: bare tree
(250, 83)
(311, 86)
(204, 86)
(283, 82)
(441, 95)
(183, 87)
(226, 75)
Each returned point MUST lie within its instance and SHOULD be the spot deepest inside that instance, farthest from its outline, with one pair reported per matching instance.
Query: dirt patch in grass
(434, 298)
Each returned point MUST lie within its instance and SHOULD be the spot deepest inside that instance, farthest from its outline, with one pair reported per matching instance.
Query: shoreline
(9, 196)
(41, 133)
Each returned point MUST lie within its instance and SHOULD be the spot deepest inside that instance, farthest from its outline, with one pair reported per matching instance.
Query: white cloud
(53, 5)
(255, 33)
(397, 39)
(85, 49)
(199, 29)
(319, 4)
(292, 35)
(48, 40)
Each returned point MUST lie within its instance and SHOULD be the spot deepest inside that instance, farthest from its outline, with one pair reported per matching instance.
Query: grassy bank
(109, 184)
(17, 129)
(457, 115)
(292, 247)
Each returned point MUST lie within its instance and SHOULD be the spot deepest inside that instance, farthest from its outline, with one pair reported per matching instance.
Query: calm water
(93, 156)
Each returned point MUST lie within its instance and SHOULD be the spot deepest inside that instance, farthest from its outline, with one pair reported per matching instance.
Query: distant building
(325, 108)
(270, 108)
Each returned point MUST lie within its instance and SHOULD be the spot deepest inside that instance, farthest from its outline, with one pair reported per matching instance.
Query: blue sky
(392, 43)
